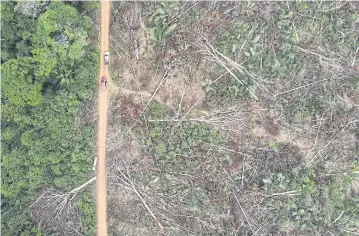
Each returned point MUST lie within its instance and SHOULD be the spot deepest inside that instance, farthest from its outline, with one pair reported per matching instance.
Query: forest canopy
(48, 73)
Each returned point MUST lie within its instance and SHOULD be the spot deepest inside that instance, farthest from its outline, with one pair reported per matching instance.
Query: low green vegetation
(175, 145)
(48, 72)
(87, 207)
(159, 28)
(229, 90)
(305, 41)
(304, 202)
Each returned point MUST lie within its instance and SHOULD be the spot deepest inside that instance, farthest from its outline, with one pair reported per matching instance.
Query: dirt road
(102, 124)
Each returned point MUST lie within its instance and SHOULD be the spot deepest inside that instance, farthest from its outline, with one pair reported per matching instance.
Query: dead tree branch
(56, 210)
(125, 181)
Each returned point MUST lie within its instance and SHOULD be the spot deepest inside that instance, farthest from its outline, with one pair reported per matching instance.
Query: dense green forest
(48, 72)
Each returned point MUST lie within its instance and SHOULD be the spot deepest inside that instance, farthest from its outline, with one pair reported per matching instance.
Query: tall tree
(48, 72)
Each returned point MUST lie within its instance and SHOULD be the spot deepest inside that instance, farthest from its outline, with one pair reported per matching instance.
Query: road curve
(102, 123)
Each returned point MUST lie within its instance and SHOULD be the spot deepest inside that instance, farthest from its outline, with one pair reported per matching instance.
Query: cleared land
(233, 118)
